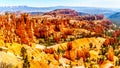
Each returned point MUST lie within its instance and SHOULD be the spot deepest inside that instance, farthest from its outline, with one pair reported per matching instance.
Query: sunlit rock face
(63, 12)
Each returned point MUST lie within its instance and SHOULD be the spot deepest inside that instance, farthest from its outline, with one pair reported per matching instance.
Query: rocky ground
(58, 39)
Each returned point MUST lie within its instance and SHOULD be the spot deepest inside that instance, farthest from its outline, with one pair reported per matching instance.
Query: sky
(49, 3)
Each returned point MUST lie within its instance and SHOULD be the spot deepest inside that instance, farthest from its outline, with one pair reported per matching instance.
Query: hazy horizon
(51, 3)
